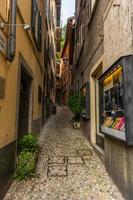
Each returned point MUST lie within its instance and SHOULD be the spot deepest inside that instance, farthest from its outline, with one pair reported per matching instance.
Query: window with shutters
(36, 21)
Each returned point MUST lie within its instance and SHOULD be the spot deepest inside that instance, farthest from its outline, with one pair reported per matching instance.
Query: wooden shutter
(39, 31)
(33, 14)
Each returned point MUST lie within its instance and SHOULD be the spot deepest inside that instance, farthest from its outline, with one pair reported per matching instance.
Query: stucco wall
(118, 41)
(4, 8)
(118, 26)
(10, 71)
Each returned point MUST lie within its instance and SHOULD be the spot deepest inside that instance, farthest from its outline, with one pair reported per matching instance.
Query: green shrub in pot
(74, 103)
(29, 143)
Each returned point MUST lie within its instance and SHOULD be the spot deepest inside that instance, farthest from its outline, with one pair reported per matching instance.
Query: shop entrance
(97, 137)
(23, 117)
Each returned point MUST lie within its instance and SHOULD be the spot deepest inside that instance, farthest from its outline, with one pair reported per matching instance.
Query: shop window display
(116, 100)
(112, 111)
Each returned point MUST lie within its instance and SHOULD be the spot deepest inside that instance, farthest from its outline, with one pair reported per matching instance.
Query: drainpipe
(11, 45)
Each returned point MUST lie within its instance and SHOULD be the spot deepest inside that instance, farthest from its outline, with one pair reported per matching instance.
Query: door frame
(22, 65)
(94, 117)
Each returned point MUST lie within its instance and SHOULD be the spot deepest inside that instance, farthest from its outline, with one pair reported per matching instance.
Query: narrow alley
(67, 169)
(66, 99)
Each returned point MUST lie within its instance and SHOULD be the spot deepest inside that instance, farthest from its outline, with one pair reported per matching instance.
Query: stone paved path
(68, 168)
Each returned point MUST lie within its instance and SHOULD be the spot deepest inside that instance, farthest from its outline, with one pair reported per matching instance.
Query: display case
(85, 100)
(116, 100)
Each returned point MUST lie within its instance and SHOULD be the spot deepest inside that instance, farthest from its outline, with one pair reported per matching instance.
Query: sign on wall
(3, 42)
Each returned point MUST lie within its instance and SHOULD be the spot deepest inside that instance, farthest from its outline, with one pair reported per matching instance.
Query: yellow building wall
(9, 71)
(4, 7)
(8, 104)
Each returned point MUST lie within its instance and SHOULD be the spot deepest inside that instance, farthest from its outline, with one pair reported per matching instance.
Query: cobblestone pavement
(68, 168)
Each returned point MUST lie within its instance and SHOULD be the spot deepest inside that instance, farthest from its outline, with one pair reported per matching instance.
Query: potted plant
(74, 104)
(77, 121)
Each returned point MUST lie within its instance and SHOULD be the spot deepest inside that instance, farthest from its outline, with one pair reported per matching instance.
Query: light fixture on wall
(27, 27)
(65, 60)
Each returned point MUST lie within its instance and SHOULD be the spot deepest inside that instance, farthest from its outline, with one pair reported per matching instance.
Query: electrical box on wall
(116, 100)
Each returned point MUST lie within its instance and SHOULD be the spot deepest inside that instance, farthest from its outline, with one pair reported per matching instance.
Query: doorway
(23, 118)
(97, 138)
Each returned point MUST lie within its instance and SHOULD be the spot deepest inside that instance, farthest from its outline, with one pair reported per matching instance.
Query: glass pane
(111, 101)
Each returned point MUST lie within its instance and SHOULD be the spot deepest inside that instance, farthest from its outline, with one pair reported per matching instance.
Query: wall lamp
(27, 27)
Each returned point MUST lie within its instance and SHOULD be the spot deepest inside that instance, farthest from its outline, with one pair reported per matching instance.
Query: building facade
(24, 75)
(52, 45)
(67, 60)
(103, 62)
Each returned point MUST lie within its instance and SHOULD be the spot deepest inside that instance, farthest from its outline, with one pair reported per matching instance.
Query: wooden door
(24, 104)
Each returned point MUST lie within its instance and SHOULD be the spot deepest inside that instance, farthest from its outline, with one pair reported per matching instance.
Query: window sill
(114, 133)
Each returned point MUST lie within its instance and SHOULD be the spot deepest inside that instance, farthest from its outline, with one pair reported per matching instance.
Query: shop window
(116, 101)
(112, 103)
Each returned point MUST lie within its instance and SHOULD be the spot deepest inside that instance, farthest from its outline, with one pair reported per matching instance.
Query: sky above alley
(68, 9)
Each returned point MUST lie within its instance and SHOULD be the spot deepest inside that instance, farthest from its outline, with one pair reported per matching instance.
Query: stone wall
(119, 164)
